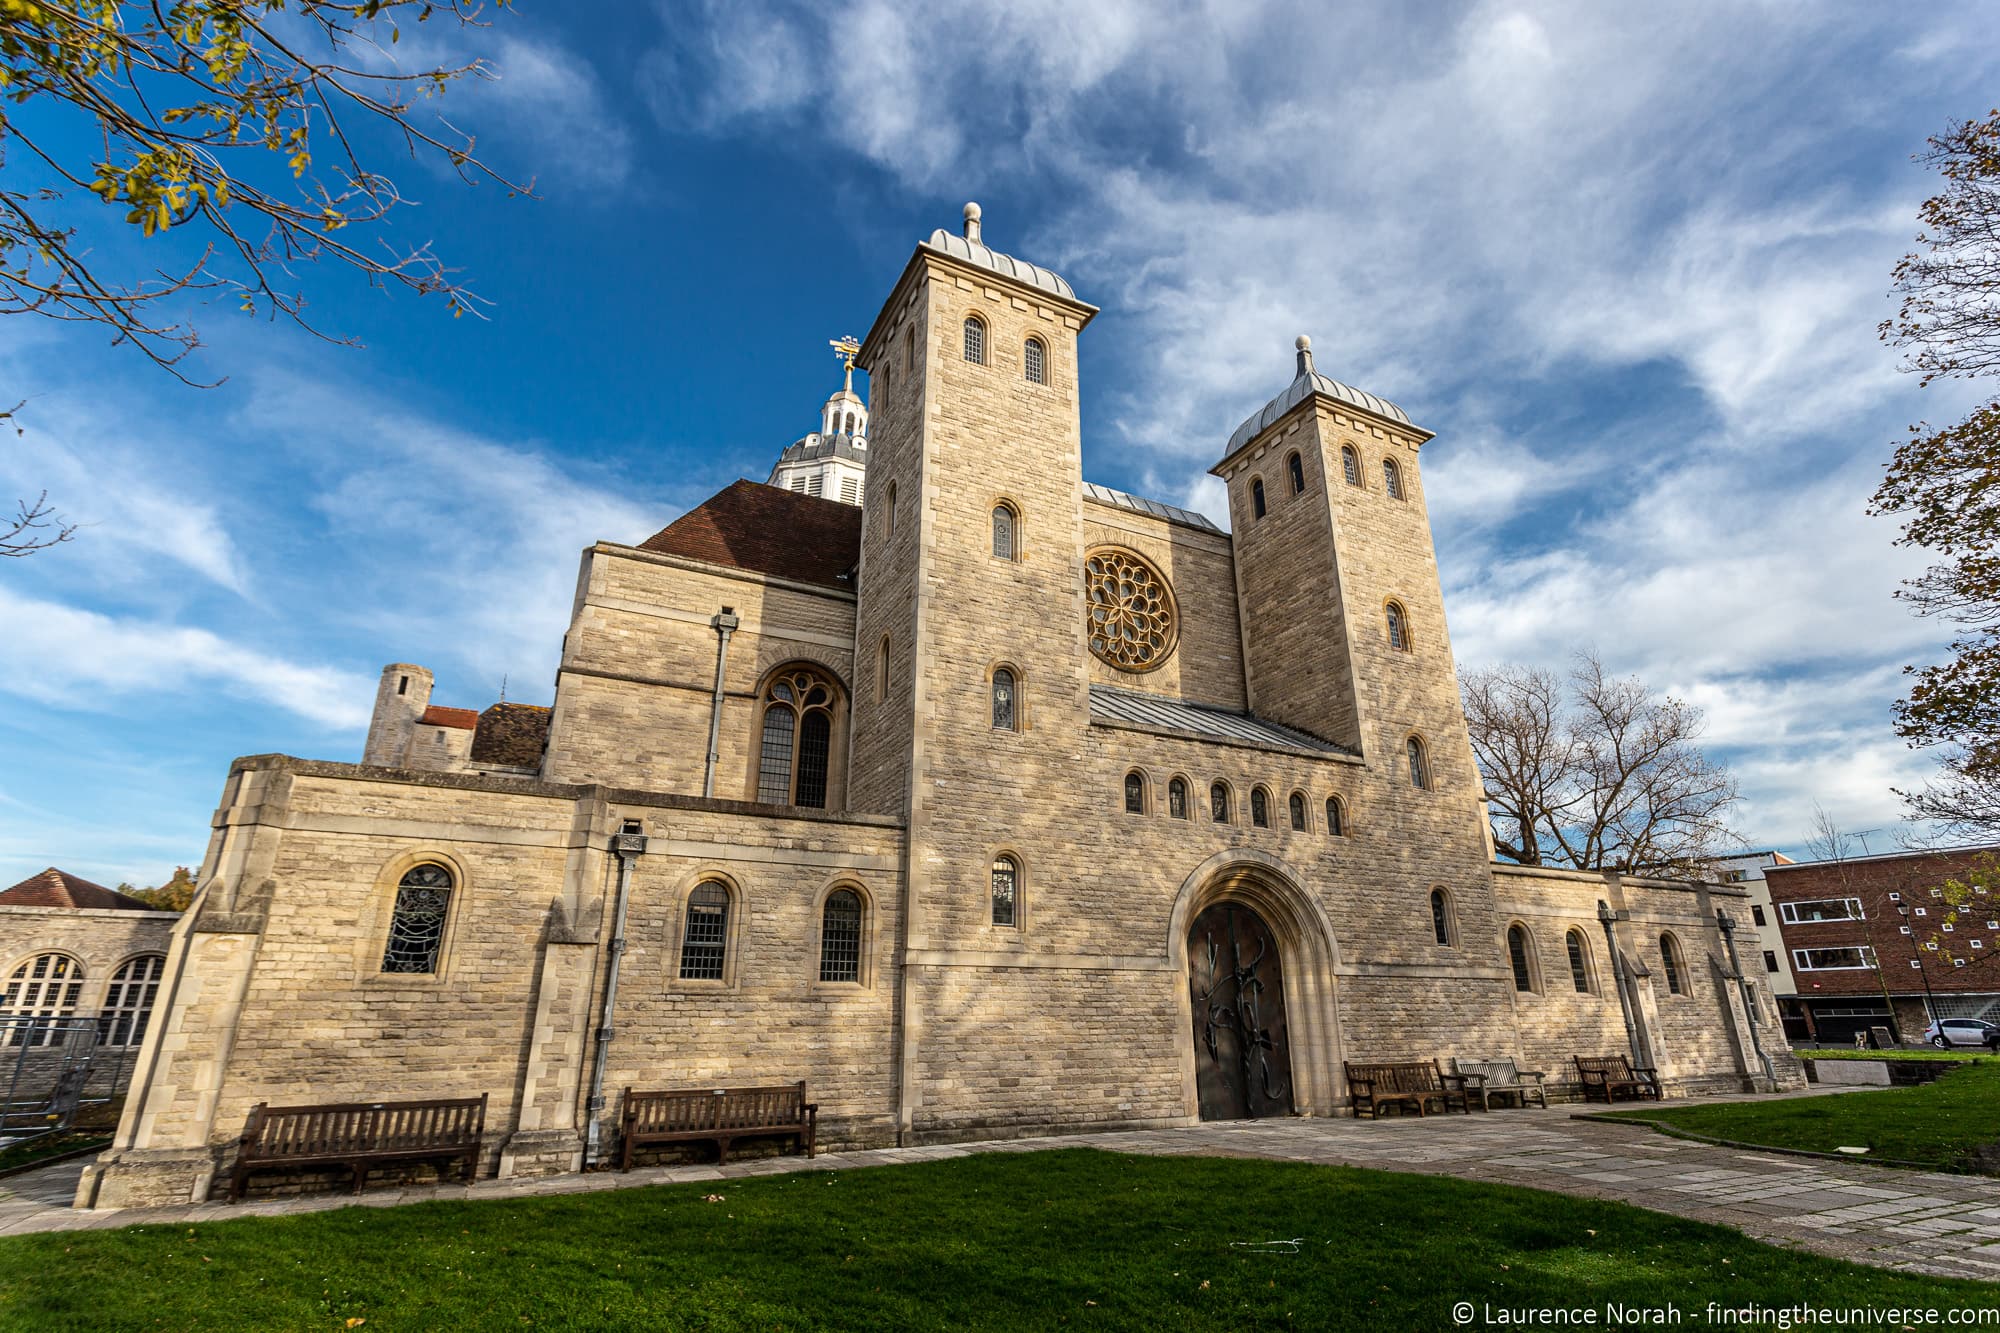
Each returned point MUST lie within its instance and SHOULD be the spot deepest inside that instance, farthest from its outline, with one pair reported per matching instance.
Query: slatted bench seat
(358, 1135)
(719, 1116)
(1607, 1077)
(1487, 1079)
(1407, 1083)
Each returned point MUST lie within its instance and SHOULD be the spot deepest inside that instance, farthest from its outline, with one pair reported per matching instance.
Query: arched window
(1218, 803)
(797, 737)
(1035, 361)
(705, 936)
(1392, 479)
(1670, 960)
(1399, 626)
(1350, 464)
(882, 670)
(1420, 764)
(975, 339)
(1006, 714)
(1579, 967)
(840, 937)
(1441, 917)
(1135, 794)
(46, 987)
(1006, 891)
(1006, 531)
(1298, 805)
(1257, 497)
(1295, 468)
(128, 1005)
(1260, 807)
(1520, 953)
(416, 926)
(1336, 817)
(1177, 798)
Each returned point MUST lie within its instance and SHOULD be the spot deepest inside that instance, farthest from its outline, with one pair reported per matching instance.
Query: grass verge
(1855, 1053)
(55, 1145)
(1939, 1125)
(1031, 1240)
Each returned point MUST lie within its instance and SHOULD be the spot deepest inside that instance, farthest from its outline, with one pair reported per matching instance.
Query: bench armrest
(1459, 1079)
(1468, 1078)
(1364, 1085)
(1536, 1074)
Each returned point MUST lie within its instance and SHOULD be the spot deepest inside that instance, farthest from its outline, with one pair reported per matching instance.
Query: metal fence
(55, 1069)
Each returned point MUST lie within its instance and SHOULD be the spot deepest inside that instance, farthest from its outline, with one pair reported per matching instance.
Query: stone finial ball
(972, 212)
(1304, 344)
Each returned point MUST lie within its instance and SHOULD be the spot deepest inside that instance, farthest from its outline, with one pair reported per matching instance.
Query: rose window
(1131, 610)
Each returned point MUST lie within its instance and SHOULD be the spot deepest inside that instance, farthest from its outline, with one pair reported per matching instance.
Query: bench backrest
(714, 1109)
(364, 1127)
(1599, 1068)
(1499, 1072)
(1409, 1076)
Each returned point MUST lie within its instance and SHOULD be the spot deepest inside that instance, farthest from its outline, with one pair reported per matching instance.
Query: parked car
(1963, 1032)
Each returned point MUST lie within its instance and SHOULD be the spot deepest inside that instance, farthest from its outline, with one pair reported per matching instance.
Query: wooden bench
(1487, 1079)
(1407, 1083)
(719, 1116)
(1606, 1076)
(359, 1134)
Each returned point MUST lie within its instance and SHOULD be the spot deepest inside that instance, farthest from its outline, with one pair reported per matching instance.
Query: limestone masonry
(1000, 803)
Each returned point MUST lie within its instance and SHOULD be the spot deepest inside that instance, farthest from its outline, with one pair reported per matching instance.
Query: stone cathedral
(998, 802)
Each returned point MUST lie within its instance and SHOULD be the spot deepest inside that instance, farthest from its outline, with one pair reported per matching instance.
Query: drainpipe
(1727, 926)
(724, 625)
(1606, 917)
(628, 845)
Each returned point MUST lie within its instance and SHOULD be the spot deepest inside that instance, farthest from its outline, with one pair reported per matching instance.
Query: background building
(1747, 869)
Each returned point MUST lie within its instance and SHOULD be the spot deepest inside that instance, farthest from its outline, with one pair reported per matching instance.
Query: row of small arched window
(1525, 961)
(43, 992)
(1034, 352)
(1350, 466)
(1222, 805)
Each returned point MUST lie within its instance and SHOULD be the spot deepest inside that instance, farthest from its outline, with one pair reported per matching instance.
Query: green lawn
(1076, 1238)
(1856, 1053)
(1938, 1124)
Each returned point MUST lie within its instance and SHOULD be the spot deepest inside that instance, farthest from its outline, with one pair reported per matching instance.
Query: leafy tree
(1595, 772)
(1964, 908)
(1945, 481)
(175, 894)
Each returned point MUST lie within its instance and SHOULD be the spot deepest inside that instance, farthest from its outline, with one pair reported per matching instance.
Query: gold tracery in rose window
(1132, 621)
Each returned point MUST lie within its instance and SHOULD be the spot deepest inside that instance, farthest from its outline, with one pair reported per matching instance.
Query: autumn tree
(1945, 481)
(1595, 772)
(174, 895)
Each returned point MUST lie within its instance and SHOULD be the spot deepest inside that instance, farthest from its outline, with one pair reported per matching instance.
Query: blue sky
(1627, 264)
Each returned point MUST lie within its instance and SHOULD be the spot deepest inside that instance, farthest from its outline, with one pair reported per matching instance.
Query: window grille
(815, 733)
(1260, 807)
(46, 986)
(1579, 973)
(705, 938)
(975, 340)
(1517, 954)
(1035, 361)
(1350, 465)
(1336, 817)
(1420, 769)
(1006, 891)
(1135, 794)
(1177, 799)
(1298, 804)
(1296, 468)
(840, 937)
(1392, 478)
(1003, 533)
(1440, 917)
(1670, 960)
(1257, 497)
(1218, 803)
(774, 760)
(128, 1005)
(416, 927)
(793, 754)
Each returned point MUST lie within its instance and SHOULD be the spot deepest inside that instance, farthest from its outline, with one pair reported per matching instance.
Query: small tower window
(416, 926)
(705, 936)
(1035, 361)
(1579, 970)
(1520, 955)
(889, 511)
(1441, 917)
(975, 340)
(1298, 807)
(1177, 798)
(1420, 764)
(1295, 468)
(1336, 817)
(1399, 627)
(1350, 464)
(1005, 532)
(1670, 960)
(1135, 794)
(882, 670)
(909, 349)
(1392, 479)
(1260, 807)
(1006, 891)
(1257, 497)
(1218, 803)
(840, 937)
(1006, 715)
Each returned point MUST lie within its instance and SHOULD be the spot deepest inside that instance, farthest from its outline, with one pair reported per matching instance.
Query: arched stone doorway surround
(1307, 952)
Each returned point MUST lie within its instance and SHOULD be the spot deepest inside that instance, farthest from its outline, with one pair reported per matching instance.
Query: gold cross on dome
(846, 348)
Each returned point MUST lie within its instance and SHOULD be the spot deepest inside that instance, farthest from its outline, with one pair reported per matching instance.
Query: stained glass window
(1218, 803)
(416, 927)
(1260, 807)
(1004, 712)
(1135, 794)
(1177, 799)
(1298, 804)
(1003, 533)
(1006, 890)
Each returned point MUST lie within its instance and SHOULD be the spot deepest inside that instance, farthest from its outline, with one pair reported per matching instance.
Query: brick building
(1000, 803)
(1876, 935)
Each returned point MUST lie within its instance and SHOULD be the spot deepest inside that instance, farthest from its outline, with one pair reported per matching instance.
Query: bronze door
(1242, 1063)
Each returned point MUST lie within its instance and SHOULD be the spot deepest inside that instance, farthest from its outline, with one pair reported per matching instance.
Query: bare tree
(1596, 773)
(34, 527)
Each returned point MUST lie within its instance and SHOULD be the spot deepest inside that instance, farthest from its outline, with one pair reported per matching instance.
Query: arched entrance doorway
(1236, 992)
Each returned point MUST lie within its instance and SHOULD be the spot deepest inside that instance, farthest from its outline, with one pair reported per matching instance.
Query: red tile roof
(768, 530)
(59, 888)
(465, 719)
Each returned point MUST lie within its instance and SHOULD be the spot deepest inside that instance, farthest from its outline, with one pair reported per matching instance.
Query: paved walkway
(1922, 1221)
